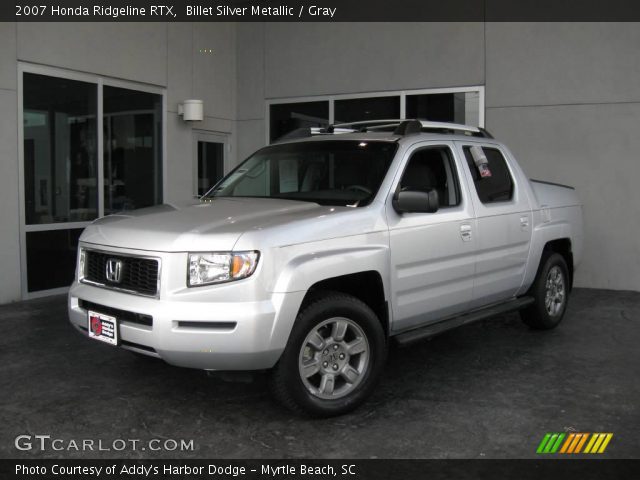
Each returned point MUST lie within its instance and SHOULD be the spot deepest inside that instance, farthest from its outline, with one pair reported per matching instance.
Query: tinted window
(460, 107)
(497, 186)
(372, 108)
(210, 165)
(287, 117)
(132, 149)
(51, 258)
(60, 150)
(433, 168)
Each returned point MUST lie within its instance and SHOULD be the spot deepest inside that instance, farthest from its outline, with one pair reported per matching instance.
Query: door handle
(524, 222)
(465, 232)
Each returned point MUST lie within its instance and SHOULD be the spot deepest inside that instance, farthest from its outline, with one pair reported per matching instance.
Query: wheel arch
(367, 286)
(563, 247)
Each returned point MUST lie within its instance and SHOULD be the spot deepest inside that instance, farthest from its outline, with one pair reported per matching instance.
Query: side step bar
(448, 324)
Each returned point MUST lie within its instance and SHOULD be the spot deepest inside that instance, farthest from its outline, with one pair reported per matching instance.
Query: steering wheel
(360, 188)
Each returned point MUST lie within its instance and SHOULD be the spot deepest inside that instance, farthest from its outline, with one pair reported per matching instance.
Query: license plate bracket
(102, 327)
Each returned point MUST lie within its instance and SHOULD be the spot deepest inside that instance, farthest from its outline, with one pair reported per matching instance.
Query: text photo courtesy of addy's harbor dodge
(218, 469)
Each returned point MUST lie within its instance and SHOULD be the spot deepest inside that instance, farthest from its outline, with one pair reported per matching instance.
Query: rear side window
(494, 184)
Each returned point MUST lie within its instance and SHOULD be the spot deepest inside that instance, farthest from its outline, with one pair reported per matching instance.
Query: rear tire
(550, 291)
(333, 359)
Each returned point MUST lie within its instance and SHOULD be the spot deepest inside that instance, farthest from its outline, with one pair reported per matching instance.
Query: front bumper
(219, 335)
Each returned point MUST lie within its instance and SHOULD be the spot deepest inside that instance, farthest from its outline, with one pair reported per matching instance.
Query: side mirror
(418, 201)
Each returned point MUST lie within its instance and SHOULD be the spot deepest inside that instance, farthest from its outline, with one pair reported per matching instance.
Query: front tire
(333, 359)
(550, 291)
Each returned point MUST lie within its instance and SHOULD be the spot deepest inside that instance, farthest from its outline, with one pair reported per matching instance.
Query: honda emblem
(114, 270)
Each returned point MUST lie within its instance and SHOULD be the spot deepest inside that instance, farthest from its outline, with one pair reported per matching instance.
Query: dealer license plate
(103, 327)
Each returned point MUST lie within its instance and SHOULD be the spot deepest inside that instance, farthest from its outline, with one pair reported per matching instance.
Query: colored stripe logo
(574, 443)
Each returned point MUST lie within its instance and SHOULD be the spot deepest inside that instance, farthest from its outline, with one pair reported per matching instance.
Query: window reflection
(60, 131)
(132, 149)
(51, 258)
(371, 108)
(210, 165)
(287, 117)
(59, 149)
(460, 107)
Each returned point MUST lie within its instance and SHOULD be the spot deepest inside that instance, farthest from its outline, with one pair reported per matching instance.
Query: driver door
(432, 254)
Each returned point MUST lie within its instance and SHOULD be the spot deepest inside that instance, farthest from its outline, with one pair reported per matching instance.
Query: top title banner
(318, 10)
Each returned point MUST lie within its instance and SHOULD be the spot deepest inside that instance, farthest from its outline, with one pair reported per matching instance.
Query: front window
(331, 172)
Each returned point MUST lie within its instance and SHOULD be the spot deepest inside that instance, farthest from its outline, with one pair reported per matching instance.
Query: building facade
(90, 123)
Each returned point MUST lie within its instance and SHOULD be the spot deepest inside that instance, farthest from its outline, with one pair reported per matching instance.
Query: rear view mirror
(417, 201)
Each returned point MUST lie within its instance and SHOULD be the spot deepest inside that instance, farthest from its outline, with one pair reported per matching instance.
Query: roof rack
(408, 126)
(399, 127)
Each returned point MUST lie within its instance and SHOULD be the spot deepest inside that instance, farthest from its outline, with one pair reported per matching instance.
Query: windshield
(331, 172)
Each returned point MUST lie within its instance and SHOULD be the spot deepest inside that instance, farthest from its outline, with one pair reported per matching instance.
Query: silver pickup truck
(316, 252)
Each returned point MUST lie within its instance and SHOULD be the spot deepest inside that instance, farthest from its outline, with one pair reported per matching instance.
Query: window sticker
(484, 170)
(481, 161)
(288, 176)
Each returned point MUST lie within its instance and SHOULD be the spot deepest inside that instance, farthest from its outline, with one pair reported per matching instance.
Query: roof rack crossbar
(392, 121)
(401, 127)
(411, 126)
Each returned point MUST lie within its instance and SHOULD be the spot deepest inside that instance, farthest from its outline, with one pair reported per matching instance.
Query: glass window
(210, 165)
(372, 108)
(331, 172)
(462, 107)
(61, 162)
(51, 258)
(132, 149)
(60, 155)
(455, 107)
(495, 183)
(287, 117)
(433, 169)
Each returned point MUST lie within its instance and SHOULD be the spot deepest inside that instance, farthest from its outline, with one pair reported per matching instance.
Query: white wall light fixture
(191, 110)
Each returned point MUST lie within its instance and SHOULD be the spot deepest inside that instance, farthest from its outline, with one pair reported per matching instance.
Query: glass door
(60, 162)
(210, 160)
(89, 148)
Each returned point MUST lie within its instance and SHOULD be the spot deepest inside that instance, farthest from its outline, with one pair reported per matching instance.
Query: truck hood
(210, 226)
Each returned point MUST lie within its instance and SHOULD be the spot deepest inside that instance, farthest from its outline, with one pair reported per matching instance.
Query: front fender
(301, 266)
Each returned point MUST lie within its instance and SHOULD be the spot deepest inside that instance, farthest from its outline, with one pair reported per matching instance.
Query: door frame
(100, 81)
(462, 213)
(211, 137)
(519, 205)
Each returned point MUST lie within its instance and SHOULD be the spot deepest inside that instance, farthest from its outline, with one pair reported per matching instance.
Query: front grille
(138, 274)
(124, 315)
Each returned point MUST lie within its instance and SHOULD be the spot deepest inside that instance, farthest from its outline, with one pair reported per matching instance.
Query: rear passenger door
(432, 254)
(503, 214)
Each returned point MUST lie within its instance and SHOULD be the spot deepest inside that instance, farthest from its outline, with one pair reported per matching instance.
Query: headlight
(217, 267)
(81, 263)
